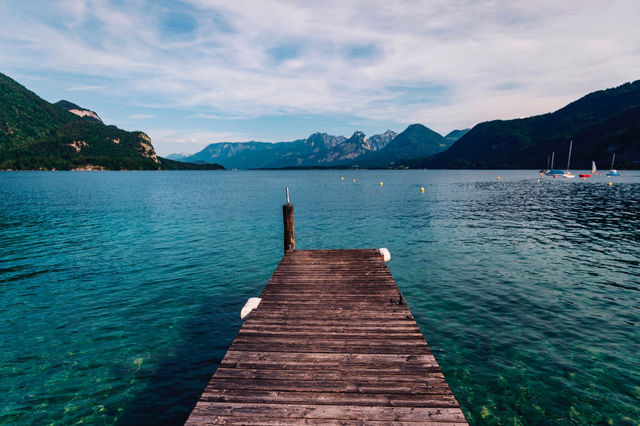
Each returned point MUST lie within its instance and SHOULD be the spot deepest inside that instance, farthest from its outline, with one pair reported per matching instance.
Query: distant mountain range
(38, 135)
(388, 149)
(599, 124)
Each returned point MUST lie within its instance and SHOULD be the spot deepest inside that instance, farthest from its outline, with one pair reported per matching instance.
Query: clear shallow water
(122, 290)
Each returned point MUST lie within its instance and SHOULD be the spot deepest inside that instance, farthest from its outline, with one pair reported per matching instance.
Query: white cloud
(496, 59)
(85, 88)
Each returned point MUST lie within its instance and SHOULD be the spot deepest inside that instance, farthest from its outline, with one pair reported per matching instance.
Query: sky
(194, 72)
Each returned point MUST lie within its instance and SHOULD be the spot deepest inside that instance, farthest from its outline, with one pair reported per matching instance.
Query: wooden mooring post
(289, 232)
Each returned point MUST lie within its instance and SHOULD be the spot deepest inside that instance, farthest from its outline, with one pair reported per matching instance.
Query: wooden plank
(330, 343)
(351, 412)
(208, 420)
(331, 398)
(382, 359)
(371, 375)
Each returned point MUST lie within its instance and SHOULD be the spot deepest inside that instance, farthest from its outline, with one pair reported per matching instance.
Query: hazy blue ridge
(599, 124)
(454, 135)
(323, 150)
(414, 142)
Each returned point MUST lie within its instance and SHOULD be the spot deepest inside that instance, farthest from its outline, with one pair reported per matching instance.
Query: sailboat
(567, 173)
(545, 170)
(551, 171)
(593, 171)
(613, 172)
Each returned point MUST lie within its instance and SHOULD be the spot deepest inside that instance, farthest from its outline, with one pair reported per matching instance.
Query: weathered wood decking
(331, 342)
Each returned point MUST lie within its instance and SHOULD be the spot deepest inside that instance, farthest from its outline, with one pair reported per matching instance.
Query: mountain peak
(377, 142)
(78, 110)
(322, 141)
(358, 135)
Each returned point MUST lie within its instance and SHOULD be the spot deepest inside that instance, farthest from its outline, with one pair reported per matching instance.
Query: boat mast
(569, 158)
(552, 155)
(612, 160)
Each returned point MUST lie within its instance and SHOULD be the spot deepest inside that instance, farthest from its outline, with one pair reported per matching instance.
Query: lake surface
(121, 291)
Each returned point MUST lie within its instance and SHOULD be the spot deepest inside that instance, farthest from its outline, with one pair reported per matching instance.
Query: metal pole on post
(289, 234)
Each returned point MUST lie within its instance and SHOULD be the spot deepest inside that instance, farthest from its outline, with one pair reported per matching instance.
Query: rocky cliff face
(322, 142)
(79, 111)
(377, 142)
(145, 147)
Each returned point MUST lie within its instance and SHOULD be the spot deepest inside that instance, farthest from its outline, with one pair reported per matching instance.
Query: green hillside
(25, 117)
(38, 135)
(599, 124)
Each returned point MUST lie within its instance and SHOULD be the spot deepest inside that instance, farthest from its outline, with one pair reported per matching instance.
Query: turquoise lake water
(121, 291)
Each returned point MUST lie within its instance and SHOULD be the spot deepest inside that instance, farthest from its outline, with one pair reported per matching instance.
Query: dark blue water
(120, 291)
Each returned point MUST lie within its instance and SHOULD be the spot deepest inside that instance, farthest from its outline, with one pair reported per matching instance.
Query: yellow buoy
(498, 177)
(538, 180)
(354, 181)
(610, 183)
(380, 183)
(421, 189)
(341, 177)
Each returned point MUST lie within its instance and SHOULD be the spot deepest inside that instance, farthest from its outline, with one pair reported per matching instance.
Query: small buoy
(251, 304)
(385, 254)
(354, 181)
(421, 189)
(538, 180)
(380, 183)
(554, 176)
(541, 175)
(583, 178)
(341, 177)
(498, 177)
(610, 183)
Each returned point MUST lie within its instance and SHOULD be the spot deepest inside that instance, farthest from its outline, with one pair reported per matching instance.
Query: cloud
(84, 88)
(448, 64)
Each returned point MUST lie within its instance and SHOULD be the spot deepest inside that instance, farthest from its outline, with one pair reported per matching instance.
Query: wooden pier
(330, 342)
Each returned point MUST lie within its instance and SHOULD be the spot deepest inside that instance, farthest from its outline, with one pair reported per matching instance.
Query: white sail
(593, 167)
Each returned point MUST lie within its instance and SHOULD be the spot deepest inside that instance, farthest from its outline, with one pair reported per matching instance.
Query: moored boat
(567, 173)
(613, 172)
(551, 171)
